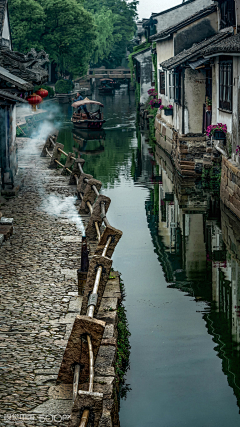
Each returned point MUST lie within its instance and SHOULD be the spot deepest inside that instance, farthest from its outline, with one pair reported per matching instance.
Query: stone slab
(115, 237)
(95, 263)
(77, 347)
(89, 194)
(91, 401)
(6, 221)
(6, 231)
(91, 232)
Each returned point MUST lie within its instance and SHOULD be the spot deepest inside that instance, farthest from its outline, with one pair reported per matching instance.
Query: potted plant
(168, 109)
(155, 103)
(209, 104)
(152, 92)
(217, 131)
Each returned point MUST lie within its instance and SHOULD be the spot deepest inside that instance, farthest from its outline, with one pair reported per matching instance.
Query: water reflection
(176, 236)
(197, 243)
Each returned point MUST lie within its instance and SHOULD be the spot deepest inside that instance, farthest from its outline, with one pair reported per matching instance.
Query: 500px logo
(57, 418)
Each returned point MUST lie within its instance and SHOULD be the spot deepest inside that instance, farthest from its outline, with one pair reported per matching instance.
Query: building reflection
(197, 241)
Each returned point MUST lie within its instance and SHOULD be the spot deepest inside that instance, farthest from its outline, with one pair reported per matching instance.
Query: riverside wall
(190, 153)
(230, 186)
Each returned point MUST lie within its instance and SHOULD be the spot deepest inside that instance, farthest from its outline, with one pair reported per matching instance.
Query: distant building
(19, 74)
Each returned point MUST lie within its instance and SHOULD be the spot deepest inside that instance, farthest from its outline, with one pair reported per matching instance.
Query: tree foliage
(115, 32)
(74, 32)
(62, 27)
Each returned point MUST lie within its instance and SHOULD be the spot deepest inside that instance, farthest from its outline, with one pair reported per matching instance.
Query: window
(171, 85)
(162, 82)
(225, 84)
(177, 87)
(227, 11)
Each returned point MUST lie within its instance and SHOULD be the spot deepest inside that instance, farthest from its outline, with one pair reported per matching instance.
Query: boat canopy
(86, 101)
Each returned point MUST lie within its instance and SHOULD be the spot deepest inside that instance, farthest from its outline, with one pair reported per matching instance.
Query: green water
(179, 261)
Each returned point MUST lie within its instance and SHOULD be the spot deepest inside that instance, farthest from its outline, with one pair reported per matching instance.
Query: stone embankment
(230, 186)
(190, 154)
(41, 302)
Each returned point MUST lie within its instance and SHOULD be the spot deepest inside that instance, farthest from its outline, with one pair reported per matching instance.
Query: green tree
(27, 20)
(122, 25)
(62, 27)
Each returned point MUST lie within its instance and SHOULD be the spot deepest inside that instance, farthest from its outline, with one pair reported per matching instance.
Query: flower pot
(219, 134)
(157, 104)
(168, 112)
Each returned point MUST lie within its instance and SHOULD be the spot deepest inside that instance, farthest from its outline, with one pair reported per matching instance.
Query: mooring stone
(56, 155)
(82, 183)
(106, 264)
(87, 400)
(69, 162)
(115, 237)
(47, 146)
(89, 194)
(76, 171)
(77, 348)
(6, 231)
(91, 232)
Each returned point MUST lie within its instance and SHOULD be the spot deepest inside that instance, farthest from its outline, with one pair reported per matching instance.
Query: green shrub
(48, 88)
(63, 86)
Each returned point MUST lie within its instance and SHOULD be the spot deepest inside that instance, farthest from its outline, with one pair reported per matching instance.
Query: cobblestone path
(38, 293)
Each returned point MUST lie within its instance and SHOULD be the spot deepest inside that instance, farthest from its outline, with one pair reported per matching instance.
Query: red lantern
(34, 100)
(42, 92)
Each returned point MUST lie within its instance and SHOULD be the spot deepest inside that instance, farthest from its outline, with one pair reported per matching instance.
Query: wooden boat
(106, 86)
(93, 121)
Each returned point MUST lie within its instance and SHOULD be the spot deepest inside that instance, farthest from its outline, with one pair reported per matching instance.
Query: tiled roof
(229, 45)
(17, 81)
(8, 95)
(196, 50)
(27, 67)
(174, 28)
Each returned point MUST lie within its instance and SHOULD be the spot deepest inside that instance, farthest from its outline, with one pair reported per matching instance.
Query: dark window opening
(177, 87)
(162, 82)
(227, 11)
(225, 84)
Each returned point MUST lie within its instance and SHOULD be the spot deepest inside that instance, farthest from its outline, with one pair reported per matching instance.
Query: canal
(179, 262)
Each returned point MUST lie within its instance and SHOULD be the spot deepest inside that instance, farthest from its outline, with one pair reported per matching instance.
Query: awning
(86, 101)
(196, 64)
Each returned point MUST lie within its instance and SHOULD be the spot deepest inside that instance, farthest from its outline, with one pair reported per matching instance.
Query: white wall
(194, 89)
(6, 31)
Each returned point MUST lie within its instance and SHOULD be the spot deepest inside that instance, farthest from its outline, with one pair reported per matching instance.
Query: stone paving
(38, 296)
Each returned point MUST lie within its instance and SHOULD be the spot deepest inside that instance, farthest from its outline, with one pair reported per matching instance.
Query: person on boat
(80, 98)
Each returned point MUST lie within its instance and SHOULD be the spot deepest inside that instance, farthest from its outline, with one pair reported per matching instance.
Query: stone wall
(230, 186)
(189, 153)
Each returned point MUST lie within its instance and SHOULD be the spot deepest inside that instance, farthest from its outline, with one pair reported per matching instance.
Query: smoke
(57, 206)
(53, 204)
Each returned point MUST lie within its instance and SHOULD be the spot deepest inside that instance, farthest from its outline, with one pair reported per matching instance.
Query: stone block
(77, 348)
(96, 262)
(90, 401)
(6, 221)
(89, 194)
(68, 164)
(82, 183)
(56, 155)
(51, 139)
(96, 216)
(76, 171)
(115, 237)
(1, 239)
(6, 231)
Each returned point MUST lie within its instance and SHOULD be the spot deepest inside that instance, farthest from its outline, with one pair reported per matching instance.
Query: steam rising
(57, 206)
(51, 204)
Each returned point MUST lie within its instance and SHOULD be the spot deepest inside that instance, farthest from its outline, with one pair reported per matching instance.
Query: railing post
(76, 171)
(56, 155)
(69, 162)
(89, 194)
(96, 216)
